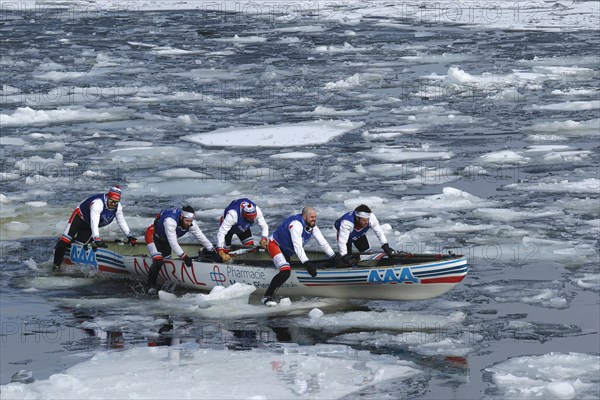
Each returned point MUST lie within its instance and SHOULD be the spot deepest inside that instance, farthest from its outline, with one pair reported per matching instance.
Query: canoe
(375, 276)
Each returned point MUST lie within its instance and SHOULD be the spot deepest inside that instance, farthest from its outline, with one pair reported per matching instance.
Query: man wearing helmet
(237, 219)
(161, 238)
(352, 228)
(94, 212)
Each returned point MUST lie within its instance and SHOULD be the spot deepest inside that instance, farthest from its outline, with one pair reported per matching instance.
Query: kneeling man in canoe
(288, 239)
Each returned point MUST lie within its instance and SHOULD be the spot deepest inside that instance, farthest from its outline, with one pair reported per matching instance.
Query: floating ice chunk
(315, 313)
(389, 319)
(285, 135)
(552, 375)
(508, 214)
(22, 376)
(28, 116)
(459, 76)
(17, 226)
(238, 293)
(242, 39)
(346, 48)
(559, 390)
(392, 131)
(285, 302)
(172, 51)
(442, 341)
(554, 70)
(545, 148)
(31, 264)
(61, 75)
(569, 106)
(588, 281)
(295, 155)
(391, 154)
(356, 80)
(181, 173)
(503, 156)
(590, 185)
(568, 127)
(541, 293)
(166, 296)
(316, 371)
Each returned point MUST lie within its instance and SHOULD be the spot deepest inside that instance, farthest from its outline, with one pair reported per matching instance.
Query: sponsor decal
(245, 274)
(392, 276)
(170, 271)
(79, 255)
(217, 276)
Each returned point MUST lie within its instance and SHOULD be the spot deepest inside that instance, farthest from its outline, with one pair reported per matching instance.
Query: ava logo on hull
(79, 255)
(391, 275)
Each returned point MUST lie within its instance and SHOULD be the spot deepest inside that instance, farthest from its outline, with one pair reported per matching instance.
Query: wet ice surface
(482, 140)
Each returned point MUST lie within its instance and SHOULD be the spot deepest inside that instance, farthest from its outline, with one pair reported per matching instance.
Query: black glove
(210, 254)
(388, 250)
(98, 243)
(310, 267)
(131, 240)
(347, 260)
(188, 261)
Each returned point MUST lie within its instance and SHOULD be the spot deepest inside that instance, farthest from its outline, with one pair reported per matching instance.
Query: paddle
(245, 250)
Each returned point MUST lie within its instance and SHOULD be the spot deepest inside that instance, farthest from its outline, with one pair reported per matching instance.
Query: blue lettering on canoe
(391, 276)
(79, 255)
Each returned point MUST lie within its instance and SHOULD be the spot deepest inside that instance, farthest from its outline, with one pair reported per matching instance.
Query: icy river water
(479, 138)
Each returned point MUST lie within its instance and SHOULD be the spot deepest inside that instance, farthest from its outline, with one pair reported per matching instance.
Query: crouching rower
(290, 238)
(93, 213)
(351, 230)
(237, 219)
(161, 238)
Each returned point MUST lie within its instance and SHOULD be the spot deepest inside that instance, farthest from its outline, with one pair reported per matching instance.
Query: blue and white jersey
(348, 232)
(95, 212)
(159, 224)
(241, 224)
(292, 234)
(355, 233)
(167, 228)
(233, 220)
(106, 215)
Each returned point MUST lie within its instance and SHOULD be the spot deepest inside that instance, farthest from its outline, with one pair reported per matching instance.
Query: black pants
(165, 249)
(247, 234)
(163, 246)
(361, 244)
(79, 231)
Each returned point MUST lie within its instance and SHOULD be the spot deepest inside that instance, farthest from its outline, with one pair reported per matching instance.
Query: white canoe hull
(414, 281)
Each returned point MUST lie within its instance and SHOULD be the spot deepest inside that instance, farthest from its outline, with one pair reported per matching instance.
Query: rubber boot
(275, 284)
(59, 253)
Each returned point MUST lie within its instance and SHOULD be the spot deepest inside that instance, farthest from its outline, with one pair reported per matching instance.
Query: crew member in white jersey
(93, 213)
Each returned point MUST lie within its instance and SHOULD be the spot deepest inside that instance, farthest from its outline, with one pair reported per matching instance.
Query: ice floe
(285, 135)
(322, 371)
(548, 376)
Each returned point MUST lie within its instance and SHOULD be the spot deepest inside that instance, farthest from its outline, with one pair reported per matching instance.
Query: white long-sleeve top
(96, 208)
(231, 219)
(171, 225)
(296, 229)
(347, 227)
